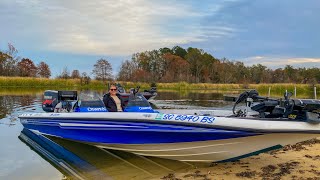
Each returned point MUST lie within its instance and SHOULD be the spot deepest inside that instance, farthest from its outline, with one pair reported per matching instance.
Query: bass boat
(257, 124)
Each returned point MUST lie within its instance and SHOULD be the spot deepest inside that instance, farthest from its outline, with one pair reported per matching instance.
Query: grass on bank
(27, 82)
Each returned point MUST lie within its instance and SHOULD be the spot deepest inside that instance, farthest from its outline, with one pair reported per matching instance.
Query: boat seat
(265, 108)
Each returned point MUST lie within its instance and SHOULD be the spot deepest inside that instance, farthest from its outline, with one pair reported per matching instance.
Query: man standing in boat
(113, 101)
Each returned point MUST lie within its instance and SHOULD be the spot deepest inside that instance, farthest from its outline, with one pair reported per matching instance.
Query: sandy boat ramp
(300, 161)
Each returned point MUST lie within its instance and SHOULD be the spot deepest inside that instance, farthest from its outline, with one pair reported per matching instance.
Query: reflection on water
(191, 99)
(20, 91)
(10, 104)
(182, 95)
(6, 105)
(81, 161)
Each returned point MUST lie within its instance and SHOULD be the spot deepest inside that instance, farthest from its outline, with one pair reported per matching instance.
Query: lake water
(23, 157)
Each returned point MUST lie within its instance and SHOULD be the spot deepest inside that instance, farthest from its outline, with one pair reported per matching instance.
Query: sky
(75, 34)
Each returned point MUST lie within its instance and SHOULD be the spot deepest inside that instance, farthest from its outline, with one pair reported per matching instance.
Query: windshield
(137, 100)
(90, 99)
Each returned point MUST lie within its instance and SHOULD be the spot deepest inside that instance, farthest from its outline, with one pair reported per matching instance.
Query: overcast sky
(75, 34)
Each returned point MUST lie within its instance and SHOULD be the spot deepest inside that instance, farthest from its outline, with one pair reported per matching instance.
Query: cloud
(304, 60)
(276, 62)
(110, 27)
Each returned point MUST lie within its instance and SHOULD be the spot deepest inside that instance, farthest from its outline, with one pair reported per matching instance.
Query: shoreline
(32, 82)
(298, 161)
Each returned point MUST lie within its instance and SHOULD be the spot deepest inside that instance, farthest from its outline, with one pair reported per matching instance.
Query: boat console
(295, 109)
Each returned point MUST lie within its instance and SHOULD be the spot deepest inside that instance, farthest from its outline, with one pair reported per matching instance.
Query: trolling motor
(295, 109)
(134, 91)
(248, 97)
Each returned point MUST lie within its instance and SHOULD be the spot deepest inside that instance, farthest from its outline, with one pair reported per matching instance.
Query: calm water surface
(22, 158)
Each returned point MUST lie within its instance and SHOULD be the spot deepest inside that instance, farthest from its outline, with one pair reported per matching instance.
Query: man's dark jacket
(111, 104)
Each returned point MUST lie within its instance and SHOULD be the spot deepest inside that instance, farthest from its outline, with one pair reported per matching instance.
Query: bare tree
(3, 60)
(75, 74)
(102, 70)
(85, 79)
(127, 70)
(8, 61)
(65, 73)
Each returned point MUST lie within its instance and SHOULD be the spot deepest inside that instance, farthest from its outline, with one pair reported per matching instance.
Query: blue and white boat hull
(214, 150)
(173, 136)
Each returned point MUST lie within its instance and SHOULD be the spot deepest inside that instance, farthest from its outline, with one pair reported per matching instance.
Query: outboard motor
(305, 109)
(295, 109)
(50, 100)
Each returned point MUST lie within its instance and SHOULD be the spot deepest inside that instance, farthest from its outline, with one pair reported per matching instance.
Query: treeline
(13, 65)
(190, 65)
(193, 65)
(102, 70)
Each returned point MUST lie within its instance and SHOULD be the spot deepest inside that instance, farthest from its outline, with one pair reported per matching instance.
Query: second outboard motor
(294, 109)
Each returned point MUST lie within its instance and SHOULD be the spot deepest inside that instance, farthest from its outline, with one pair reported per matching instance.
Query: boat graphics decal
(183, 117)
(96, 109)
(143, 108)
(124, 132)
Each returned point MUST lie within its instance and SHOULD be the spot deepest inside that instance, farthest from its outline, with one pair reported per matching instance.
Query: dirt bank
(299, 161)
